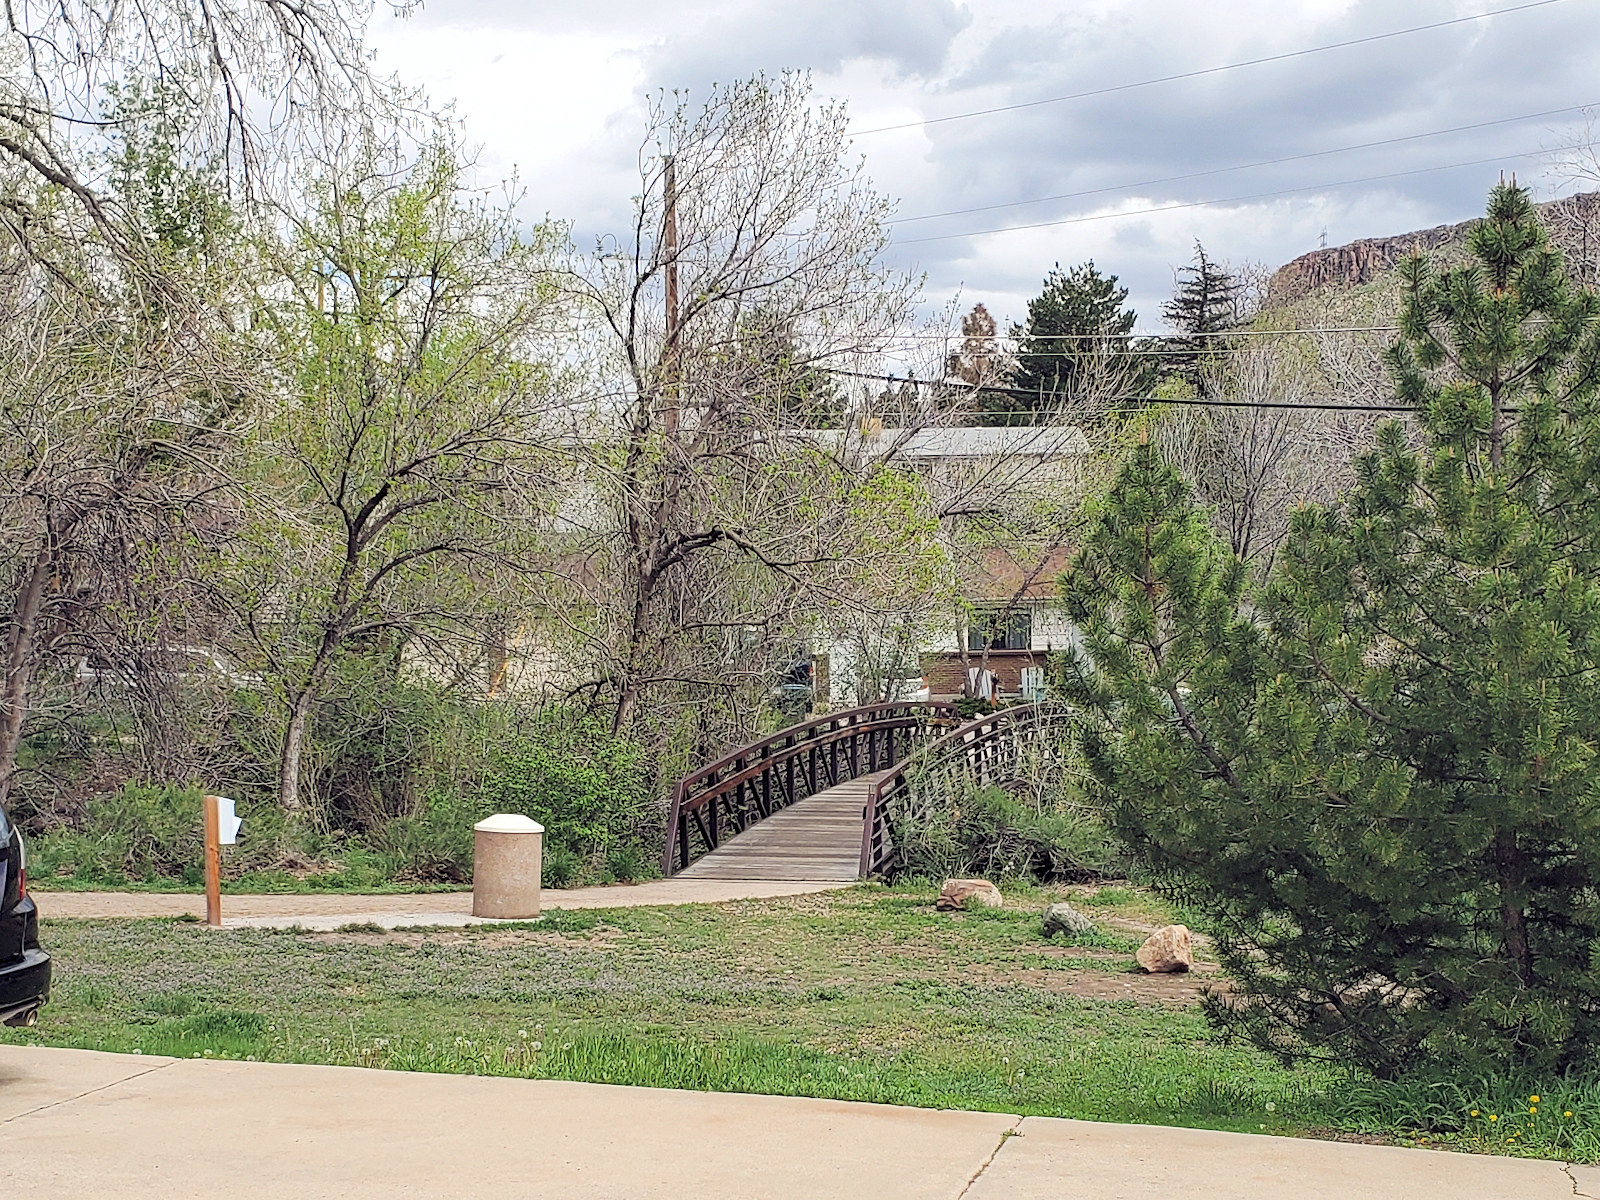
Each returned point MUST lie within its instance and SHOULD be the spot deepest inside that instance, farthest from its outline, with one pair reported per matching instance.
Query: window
(1001, 630)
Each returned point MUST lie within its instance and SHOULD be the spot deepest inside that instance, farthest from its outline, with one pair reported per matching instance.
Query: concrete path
(86, 1125)
(330, 910)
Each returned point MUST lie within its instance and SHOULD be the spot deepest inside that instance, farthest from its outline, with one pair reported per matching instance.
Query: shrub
(591, 791)
(151, 833)
(144, 831)
(993, 835)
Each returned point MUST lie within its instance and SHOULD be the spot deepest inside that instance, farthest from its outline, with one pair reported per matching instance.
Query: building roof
(963, 441)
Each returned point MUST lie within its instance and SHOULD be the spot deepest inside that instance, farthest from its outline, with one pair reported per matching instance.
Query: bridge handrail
(697, 797)
(974, 741)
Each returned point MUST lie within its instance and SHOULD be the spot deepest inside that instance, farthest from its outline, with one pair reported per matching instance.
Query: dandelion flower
(1533, 1110)
(1568, 1113)
(1533, 1099)
(1474, 1112)
(1492, 1117)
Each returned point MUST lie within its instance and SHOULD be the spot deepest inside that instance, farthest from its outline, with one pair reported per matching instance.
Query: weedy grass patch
(868, 994)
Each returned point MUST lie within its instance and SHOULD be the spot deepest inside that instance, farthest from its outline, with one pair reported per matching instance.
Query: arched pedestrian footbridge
(819, 800)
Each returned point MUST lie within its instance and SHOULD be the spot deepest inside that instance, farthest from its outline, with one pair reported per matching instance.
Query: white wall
(1052, 630)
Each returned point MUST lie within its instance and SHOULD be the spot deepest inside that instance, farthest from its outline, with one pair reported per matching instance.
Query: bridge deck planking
(815, 839)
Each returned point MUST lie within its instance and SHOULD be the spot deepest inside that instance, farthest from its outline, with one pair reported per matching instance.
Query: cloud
(1480, 71)
(567, 98)
(911, 37)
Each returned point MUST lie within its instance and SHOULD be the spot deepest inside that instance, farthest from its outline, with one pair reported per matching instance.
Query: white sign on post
(227, 823)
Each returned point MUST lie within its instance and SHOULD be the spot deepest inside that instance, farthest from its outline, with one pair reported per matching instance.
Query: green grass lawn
(867, 994)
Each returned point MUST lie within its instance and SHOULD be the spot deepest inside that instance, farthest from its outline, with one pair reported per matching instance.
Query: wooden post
(213, 835)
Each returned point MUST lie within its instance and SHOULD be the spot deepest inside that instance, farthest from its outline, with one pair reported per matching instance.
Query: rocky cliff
(1574, 224)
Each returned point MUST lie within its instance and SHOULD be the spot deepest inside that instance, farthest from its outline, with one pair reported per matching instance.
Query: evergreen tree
(1076, 345)
(1380, 776)
(980, 365)
(780, 383)
(1204, 303)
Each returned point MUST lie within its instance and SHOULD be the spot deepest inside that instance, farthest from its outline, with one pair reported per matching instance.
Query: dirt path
(330, 910)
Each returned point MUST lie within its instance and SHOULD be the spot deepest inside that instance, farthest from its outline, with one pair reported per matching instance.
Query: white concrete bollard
(507, 857)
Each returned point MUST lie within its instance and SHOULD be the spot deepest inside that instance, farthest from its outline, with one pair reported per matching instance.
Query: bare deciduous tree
(719, 521)
(1254, 463)
(118, 404)
(264, 81)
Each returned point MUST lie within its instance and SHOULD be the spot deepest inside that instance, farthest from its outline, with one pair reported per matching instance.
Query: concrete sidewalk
(88, 1125)
(330, 910)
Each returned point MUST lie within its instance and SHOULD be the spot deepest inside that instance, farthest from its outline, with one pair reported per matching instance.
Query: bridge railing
(983, 752)
(726, 797)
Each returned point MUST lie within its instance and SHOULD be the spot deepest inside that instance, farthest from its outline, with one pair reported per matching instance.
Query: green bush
(968, 707)
(591, 791)
(993, 835)
(151, 833)
(144, 831)
(398, 774)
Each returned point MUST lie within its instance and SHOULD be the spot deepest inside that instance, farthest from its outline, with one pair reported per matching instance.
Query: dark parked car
(24, 966)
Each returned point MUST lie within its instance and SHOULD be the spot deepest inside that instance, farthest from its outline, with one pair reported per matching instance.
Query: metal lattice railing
(726, 797)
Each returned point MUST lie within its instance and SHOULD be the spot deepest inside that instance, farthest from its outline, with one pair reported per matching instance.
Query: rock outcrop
(1573, 223)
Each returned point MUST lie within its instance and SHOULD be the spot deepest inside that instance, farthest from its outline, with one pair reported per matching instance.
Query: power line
(1143, 351)
(1265, 162)
(1133, 402)
(1124, 337)
(1165, 208)
(1253, 62)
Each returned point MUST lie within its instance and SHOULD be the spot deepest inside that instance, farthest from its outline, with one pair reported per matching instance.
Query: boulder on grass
(956, 893)
(1063, 918)
(1166, 951)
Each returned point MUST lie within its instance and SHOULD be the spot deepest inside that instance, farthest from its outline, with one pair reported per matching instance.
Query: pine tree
(1076, 345)
(978, 364)
(1204, 303)
(1379, 776)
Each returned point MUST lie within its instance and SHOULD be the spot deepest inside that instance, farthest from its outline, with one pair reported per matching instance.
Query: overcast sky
(557, 90)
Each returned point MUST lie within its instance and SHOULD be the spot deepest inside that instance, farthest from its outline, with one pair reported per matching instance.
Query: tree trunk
(1508, 865)
(19, 668)
(627, 704)
(628, 693)
(1497, 432)
(294, 740)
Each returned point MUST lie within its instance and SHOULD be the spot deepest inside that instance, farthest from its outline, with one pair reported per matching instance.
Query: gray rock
(1063, 918)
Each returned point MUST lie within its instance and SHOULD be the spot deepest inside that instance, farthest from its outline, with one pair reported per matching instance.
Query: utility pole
(669, 239)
